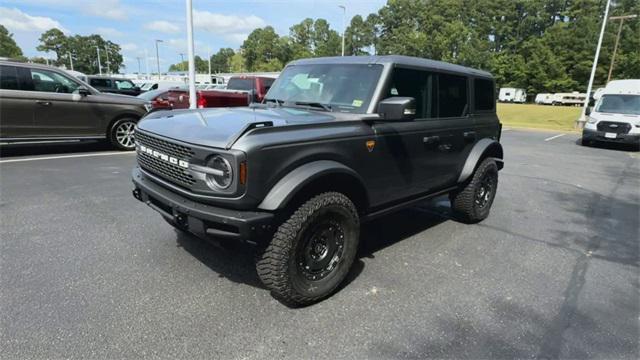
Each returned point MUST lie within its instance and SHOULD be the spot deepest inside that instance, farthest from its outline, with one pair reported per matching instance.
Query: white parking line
(67, 156)
(554, 137)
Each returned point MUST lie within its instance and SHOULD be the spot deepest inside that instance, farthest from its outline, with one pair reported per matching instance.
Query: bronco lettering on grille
(162, 156)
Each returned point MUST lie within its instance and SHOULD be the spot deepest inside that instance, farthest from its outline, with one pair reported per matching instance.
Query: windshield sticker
(356, 103)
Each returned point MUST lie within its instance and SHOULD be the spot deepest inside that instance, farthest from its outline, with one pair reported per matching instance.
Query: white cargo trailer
(514, 95)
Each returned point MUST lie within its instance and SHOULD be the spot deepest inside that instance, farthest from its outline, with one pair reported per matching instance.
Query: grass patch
(538, 116)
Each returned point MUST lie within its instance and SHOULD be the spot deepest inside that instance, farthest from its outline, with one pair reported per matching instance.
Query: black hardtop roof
(396, 60)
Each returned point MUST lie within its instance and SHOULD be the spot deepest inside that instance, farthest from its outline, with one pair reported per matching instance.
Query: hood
(220, 127)
(117, 99)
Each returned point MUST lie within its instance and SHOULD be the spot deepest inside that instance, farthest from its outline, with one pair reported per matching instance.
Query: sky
(136, 24)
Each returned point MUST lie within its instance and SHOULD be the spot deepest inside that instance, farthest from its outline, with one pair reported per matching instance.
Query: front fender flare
(477, 153)
(288, 186)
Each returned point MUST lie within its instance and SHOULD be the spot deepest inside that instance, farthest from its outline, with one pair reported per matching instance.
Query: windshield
(343, 88)
(619, 104)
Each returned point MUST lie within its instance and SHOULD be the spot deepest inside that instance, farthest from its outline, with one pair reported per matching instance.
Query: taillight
(201, 101)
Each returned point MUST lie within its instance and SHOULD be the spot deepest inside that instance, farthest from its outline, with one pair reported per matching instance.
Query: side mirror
(397, 108)
(588, 110)
(83, 91)
(136, 88)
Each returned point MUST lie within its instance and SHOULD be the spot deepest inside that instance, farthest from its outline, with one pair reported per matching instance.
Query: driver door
(59, 109)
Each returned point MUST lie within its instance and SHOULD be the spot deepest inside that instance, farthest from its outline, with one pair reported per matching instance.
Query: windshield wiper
(277, 101)
(326, 107)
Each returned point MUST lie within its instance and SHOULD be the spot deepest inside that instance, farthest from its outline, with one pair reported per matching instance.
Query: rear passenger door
(16, 106)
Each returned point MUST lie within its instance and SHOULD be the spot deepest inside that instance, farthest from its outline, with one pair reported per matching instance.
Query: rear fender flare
(483, 148)
(287, 187)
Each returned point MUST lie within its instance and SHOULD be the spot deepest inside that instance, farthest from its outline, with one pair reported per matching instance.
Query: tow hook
(136, 194)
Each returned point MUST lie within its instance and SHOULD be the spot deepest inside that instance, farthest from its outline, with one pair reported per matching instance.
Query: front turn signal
(242, 176)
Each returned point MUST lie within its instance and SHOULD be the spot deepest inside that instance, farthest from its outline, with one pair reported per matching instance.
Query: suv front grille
(614, 127)
(164, 169)
(175, 150)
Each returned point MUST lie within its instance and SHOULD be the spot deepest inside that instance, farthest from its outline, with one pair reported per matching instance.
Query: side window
(452, 95)
(49, 81)
(124, 84)
(105, 83)
(8, 78)
(418, 85)
(483, 94)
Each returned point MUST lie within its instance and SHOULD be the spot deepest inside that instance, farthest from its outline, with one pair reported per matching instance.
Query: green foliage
(8, 46)
(84, 50)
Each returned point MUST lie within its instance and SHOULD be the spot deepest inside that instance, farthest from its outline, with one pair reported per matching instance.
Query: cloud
(109, 9)
(16, 20)
(162, 26)
(232, 27)
(129, 47)
(106, 31)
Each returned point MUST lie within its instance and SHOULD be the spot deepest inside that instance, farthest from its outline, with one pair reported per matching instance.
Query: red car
(240, 91)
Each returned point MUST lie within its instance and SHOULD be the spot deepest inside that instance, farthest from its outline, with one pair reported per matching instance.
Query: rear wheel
(472, 203)
(122, 134)
(312, 251)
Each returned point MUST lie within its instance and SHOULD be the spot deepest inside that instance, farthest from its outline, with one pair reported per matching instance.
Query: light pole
(158, 57)
(209, 58)
(582, 119)
(99, 66)
(106, 50)
(344, 15)
(615, 48)
(138, 58)
(70, 60)
(190, 51)
(182, 61)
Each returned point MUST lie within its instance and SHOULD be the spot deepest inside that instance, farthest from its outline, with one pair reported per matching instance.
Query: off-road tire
(115, 135)
(279, 265)
(464, 202)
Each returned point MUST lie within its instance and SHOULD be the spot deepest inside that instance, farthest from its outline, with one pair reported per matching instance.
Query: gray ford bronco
(337, 142)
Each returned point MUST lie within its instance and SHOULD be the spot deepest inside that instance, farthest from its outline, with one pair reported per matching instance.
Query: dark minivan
(41, 104)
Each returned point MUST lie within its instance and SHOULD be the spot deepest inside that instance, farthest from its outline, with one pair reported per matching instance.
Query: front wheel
(312, 251)
(472, 203)
(122, 134)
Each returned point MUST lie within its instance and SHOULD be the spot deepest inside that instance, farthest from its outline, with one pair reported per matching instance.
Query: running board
(403, 205)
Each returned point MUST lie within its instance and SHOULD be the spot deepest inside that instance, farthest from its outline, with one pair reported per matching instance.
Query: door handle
(430, 140)
(43, 102)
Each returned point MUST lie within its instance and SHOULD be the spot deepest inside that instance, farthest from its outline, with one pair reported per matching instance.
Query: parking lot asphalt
(89, 272)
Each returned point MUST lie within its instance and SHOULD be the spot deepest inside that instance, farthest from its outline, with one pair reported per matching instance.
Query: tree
(8, 46)
(237, 63)
(260, 47)
(84, 50)
(359, 36)
(221, 61)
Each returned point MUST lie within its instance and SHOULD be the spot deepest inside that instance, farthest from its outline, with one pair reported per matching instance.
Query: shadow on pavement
(609, 145)
(54, 149)
(236, 262)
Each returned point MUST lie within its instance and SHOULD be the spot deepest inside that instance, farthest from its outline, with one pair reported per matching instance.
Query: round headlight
(222, 178)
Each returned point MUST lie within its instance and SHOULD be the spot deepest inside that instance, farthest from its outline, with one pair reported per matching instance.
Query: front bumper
(202, 220)
(594, 135)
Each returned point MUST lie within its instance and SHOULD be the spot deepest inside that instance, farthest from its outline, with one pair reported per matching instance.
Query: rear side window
(267, 83)
(452, 95)
(100, 82)
(483, 94)
(8, 78)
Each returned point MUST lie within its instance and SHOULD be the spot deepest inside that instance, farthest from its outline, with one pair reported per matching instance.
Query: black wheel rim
(485, 191)
(321, 250)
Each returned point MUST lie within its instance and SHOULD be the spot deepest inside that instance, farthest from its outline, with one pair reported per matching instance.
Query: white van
(616, 115)
(544, 99)
(514, 95)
